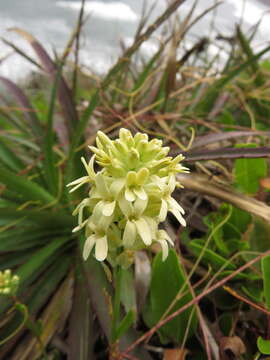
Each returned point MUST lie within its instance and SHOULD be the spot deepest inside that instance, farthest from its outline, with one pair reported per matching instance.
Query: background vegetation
(211, 298)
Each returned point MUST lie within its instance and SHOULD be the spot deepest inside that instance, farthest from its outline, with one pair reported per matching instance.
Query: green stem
(117, 274)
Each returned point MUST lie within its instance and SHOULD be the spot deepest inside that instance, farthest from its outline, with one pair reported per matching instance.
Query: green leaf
(50, 168)
(167, 279)
(127, 290)
(26, 189)
(125, 324)
(237, 224)
(210, 256)
(248, 172)
(214, 90)
(266, 279)
(30, 270)
(48, 283)
(259, 235)
(99, 289)
(9, 158)
(82, 332)
(263, 345)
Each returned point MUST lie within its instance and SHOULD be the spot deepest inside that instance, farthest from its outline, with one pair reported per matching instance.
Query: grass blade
(28, 109)
(26, 189)
(266, 280)
(9, 158)
(64, 93)
(211, 95)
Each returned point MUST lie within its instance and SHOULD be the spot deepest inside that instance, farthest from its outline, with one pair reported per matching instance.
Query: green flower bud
(8, 283)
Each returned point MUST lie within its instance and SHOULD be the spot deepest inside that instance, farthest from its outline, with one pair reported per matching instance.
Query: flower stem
(117, 274)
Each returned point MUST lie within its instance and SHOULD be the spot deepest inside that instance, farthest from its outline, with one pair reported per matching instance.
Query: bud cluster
(8, 283)
(129, 197)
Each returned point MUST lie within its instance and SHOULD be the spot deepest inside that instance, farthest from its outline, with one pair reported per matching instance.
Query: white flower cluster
(129, 197)
(8, 283)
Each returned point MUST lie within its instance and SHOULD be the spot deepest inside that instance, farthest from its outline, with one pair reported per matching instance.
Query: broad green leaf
(263, 345)
(248, 173)
(266, 279)
(167, 279)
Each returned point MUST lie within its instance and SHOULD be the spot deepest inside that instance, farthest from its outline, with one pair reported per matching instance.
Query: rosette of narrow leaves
(129, 196)
(8, 283)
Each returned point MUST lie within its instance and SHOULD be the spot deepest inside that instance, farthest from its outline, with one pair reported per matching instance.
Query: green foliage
(45, 129)
(248, 172)
(266, 279)
(263, 345)
(167, 279)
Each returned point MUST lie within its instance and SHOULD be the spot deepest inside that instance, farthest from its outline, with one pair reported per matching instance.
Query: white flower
(129, 196)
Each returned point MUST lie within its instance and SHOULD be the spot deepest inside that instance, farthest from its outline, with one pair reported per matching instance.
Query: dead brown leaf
(265, 183)
(175, 354)
(231, 347)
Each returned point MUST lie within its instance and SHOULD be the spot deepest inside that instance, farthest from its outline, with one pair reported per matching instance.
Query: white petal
(130, 234)
(89, 167)
(163, 210)
(129, 195)
(174, 204)
(144, 231)
(108, 209)
(81, 181)
(125, 206)
(153, 226)
(139, 206)
(140, 192)
(88, 246)
(101, 185)
(172, 183)
(101, 249)
(79, 227)
(97, 211)
(83, 204)
(77, 181)
(104, 222)
(164, 246)
(164, 235)
(117, 186)
(178, 216)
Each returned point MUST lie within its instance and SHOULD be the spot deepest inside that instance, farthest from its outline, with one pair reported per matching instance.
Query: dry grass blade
(214, 138)
(202, 185)
(21, 52)
(228, 153)
(142, 38)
